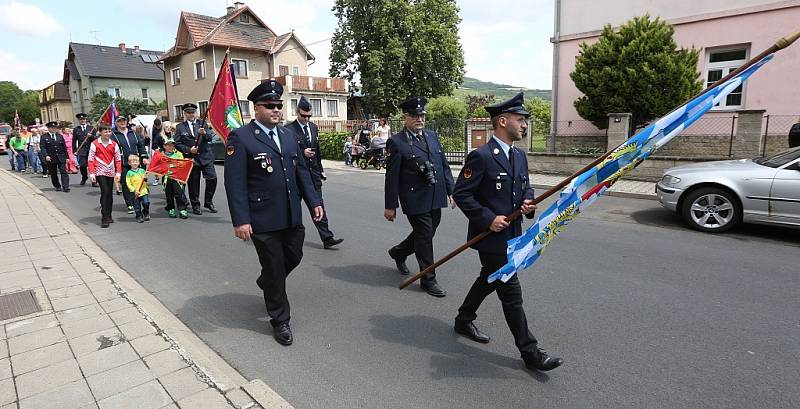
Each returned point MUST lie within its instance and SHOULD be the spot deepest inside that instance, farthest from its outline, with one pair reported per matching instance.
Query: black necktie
(511, 159)
(272, 136)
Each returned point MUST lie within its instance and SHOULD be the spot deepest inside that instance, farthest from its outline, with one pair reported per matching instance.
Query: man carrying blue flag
(494, 183)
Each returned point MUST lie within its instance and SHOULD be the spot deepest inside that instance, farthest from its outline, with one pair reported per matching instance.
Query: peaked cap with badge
(414, 105)
(515, 105)
(266, 91)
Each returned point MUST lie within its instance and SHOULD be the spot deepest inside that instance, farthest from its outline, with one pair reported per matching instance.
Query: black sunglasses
(304, 116)
(271, 106)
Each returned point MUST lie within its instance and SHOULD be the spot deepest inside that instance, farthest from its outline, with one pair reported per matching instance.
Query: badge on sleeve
(230, 150)
(467, 173)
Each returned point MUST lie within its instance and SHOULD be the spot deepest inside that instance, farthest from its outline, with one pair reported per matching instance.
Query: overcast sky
(505, 43)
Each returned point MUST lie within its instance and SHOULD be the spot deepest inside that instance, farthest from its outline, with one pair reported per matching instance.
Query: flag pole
(94, 130)
(208, 107)
(779, 45)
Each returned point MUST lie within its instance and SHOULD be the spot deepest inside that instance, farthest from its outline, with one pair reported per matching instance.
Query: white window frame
(177, 110)
(200, 107)
(317, 113)
(114, 92)
(86, 93)
(328, 107)
(145, 93)
(293, 104)
(295, 70)
(245, 103)
(726, 67)
(173, 76)
(194, 69)
(246, 67)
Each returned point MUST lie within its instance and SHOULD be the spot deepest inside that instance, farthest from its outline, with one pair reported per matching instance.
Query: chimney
(136, 49)
(237, 5)
(230, 9)
(122, 47)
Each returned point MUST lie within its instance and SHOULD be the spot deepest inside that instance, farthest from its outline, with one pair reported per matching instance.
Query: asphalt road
(645, 313)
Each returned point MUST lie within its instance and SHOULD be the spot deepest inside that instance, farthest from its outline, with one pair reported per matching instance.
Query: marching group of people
(270, 169)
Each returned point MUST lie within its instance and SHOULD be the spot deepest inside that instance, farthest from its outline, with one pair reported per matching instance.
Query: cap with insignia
(80, 115)
(304, 105)
(121, 118)
(266, 91)
(51, 124)
(414, 105)
(515, 105)
(189, 107)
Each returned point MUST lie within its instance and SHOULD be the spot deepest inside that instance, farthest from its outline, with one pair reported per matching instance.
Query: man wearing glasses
(418, 173)
(265, 177)
(307, 135)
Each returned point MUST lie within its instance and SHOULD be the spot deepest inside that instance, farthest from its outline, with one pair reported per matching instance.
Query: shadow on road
(454, 356)
(368, 274)
(230, 310)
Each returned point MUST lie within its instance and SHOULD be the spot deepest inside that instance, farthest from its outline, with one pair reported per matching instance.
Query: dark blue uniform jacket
(268, 201)
(314, 163)
(184, 141)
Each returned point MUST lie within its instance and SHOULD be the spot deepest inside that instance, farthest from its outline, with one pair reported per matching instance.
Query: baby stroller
(374, 157)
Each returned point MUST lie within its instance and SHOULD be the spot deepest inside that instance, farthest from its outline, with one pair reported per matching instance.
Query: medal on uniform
(498, 185)
(496, 151)
(269, 165)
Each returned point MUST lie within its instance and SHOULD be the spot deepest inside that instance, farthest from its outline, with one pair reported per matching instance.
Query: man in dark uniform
(193, 139)
(54, 151)
(81, 139)
(129, 143)
(265, 178)
(492, 184)
(307, 135)
(418, 173)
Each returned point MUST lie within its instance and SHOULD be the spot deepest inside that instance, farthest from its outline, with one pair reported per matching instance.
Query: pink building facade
(727, 33)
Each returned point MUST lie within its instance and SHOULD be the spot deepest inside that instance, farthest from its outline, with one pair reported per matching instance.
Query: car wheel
(711, 210)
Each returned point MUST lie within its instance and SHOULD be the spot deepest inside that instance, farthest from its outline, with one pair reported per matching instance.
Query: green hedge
(331, 144)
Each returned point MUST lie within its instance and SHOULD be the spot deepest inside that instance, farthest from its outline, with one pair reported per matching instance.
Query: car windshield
(5, 129)
(779, 159)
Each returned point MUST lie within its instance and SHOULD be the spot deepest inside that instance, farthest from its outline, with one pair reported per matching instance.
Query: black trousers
(54, 169)
(278, 253)
(420, 241)
(173, 192)
(126, 193)
(210, 175)
(510, 294)
(106, 196)
(324, 231)
(82, 164)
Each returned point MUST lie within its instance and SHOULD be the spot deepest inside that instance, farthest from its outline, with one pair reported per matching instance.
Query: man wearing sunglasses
(307, 135)
(265, 178)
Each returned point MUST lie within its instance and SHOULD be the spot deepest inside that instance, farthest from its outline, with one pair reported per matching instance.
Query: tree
(102, 100)
(446, 108)
(637, 69)
(396, 49)
(28, 108)
(475, 104)
(540, 111)
(13, 100)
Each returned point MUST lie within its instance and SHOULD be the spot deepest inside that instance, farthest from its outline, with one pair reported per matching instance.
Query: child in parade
(136, 179)
(348, 154)
(174, 190)
(105, 166)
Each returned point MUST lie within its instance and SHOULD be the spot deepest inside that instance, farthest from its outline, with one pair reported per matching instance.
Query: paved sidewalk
(100, 339)
(623, 188)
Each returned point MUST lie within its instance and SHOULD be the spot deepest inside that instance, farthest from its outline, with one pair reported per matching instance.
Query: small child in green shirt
(136, 179)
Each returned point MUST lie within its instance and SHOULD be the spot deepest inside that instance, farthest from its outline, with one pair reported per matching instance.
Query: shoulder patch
(467, 173)
(230, 150)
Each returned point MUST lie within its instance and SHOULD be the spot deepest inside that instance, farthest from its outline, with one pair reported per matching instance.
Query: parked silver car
(716, 196)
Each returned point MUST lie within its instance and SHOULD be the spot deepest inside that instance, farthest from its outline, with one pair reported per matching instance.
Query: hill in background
(473, 86)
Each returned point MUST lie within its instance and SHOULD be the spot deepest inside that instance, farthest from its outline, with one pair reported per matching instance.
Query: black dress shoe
(539, 360)
(58, 189)
(211, 208)
(104, 224)
(331, 242)
(196, 210)
(468, 329)
(283, 334)
(65, 190)
(434, 289)
(83, 182)
(400, 263)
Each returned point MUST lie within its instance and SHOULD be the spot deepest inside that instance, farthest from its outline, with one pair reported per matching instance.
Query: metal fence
(452, 135)
(775, 136)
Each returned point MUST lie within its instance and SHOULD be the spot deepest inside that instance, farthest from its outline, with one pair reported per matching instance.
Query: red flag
(162, 165)
(110, 115)
(223, 107)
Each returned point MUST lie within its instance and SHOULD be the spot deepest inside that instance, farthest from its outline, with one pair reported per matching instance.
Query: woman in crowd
(384, 130)
(72, 163)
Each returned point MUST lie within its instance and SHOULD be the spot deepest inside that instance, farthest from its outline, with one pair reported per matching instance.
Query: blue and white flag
(585, 188)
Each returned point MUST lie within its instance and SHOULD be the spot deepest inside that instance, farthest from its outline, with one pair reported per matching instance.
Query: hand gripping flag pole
(587, 184)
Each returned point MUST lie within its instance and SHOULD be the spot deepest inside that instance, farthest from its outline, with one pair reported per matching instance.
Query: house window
(294, 105)
(145, 94)
(178, 111)
(333, 107)
(175, 75)
(85, 93)
(74, 96)
(244, 18)
(295, 70)
(316, 107)
(283, 70)
(113, 92)
(721, 62)
(244, 106)
(239, 68)
(200, 70)
(202, 106)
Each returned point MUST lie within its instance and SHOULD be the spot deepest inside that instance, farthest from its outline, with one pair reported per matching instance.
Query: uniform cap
(414, 105)
(515, 105)
(270, 90)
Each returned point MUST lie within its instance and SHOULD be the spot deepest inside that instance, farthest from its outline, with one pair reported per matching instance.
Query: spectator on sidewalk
(384, 130)
(362, 134)
(18, 145)
(33, 151)
(348, 151)
(11, 159)
(794, 135)
(136, 179)
(105, 166)
(174, 191)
